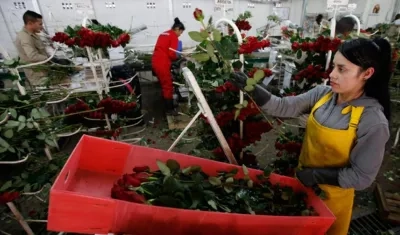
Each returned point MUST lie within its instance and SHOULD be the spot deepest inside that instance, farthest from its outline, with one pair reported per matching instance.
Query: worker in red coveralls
(165, 52)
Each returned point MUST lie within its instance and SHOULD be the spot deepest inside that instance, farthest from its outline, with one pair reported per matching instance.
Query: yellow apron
(326, 147)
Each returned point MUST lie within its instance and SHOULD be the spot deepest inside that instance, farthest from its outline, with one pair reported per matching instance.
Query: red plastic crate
(80, 199)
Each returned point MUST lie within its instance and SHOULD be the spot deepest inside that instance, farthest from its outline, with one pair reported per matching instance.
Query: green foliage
(191, 188)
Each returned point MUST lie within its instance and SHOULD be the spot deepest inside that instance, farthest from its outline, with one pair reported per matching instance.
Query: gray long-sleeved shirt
(372, 133)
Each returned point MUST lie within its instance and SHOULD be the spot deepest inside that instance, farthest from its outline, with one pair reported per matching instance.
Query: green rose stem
(226, 63)
(229, 66)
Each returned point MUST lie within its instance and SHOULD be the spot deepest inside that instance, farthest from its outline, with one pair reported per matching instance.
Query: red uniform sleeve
(174, 42)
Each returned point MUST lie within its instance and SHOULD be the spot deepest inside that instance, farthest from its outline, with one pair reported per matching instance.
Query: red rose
(131, 180)
(220, 89)
(142, 176)
(198, 14)
(70, 42)
(304, 46)
(279, 146)
(135, 197)
(295, 46)
(267, 72)
(8, 197)
(120, 193)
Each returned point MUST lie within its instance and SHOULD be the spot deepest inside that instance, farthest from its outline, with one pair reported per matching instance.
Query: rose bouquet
(191, 188)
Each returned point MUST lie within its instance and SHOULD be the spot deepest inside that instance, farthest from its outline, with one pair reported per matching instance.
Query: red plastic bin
(80, 199)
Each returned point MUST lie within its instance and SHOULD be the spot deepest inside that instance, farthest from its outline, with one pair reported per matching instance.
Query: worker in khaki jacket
(30, 48)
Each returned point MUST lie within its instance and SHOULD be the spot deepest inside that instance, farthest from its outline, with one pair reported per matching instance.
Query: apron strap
(355, 116)
(322, 101)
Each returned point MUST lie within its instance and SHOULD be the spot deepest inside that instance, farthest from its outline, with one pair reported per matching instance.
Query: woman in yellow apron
(347, 129)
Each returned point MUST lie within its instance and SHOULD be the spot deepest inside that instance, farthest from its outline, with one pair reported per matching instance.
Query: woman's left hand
(314, 176)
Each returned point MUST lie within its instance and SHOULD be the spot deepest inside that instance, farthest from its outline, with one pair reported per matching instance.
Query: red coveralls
(162, 60)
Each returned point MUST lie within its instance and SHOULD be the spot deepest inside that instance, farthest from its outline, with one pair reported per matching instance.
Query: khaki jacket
(31, 50)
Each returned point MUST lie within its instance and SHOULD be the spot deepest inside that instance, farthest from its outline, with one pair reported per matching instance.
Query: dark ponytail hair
(318, 19)
(377, 54)
(178, 24)
(345, 25)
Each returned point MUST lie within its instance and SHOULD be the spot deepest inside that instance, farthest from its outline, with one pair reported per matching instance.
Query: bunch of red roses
(109, 105)
(249, 111)
(79, 106)
(243, 25)
(312, 72)
(226, 117)
(252, 132)
(122, 189)
(321, 44)
(252, 44)
(227, 86)
(88, 38)
(112, 106)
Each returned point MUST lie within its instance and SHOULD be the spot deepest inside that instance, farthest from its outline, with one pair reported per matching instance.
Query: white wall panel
(259, 11)
(183, 9)
(12, 11)
(295, 10)
(5, 40)
(61, 13)
(126, 13)
(384, 15)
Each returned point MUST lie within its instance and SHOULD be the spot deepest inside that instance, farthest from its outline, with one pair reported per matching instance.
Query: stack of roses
(108, 105)
(112, 106)
(227, 86)
(225, 118)
(252, 44)
(91, 113)
(243, 25)
(252, 132)
(215, 63)
(88, 38)
(314, 73)
(191, 188)
(123, 189)
(321, 44)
